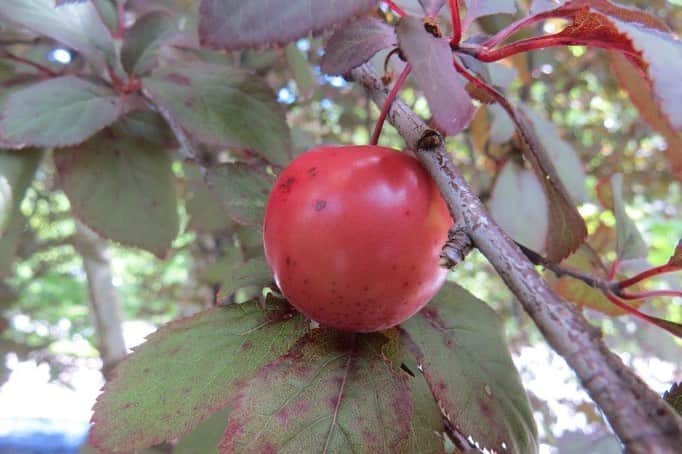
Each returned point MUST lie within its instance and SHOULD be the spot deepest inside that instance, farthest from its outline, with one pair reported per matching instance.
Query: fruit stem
(387, 105)
(456, 23)
(656, 271)
(397, 9)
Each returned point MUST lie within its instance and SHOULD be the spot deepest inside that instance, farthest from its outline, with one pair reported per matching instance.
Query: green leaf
(122, 188)
(242, 190)
(458, 342)
(301, 70)
(59, 112)
(254, 272)
(629, 242)
(144, 40)
(188, 370)
(75, 24)
(236, 24)
(205, 438)
(519, 205)
(333, 392)
(17, 169)
(223, 106)
(206, 213)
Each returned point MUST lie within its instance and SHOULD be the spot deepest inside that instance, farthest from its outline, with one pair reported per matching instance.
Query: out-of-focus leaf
(236, 24)
(519, 204)
(75, 24)
(565, 159)
(146, 125)
(646, 38)
(355, 44)
(459, 344)
(223, 106)
(480, 8)
(432, 7)
(188, 370)
(540, 6)
(242, 190)
(144, 40)
(639, 90)
(17, 169)
(59, 112)
(254, 272)
(431, 59)
(629, 241)
(204, 208)
(301, 70)
(123, 188)
(315, 399)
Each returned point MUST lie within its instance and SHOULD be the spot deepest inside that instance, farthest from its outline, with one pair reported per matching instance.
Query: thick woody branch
(642, 420)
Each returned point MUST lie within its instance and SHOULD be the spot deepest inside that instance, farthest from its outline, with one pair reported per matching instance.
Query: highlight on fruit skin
(353, 235)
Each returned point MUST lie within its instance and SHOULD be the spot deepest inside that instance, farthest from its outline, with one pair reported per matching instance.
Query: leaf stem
(541, 42)
(387, 105)
(510, 30)
(43, 69)
(650, 294)
(456, 23)
(652, 272)
(672, 327)
(397, 9)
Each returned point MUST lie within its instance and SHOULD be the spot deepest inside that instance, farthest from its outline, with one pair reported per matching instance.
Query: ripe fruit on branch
(353, 235)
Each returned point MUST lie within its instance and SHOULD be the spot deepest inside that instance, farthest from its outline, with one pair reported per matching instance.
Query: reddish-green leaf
(188, 370)
(236, 24)
(519, 204)
(75, 24)
(204, 208)
(459, 344)
(480, 8)
(333, 392)
(123, 188)
(432, 67)
(242, 190)
(645, 38)
(59, 112)
(253, 272)
(639, 90)
(301, 70)
(145, 38)
(355, 44)
(17, 169)
(205, 438)
(223, 106)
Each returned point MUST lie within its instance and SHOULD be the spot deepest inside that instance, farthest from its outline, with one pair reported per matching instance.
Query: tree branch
(642, 420)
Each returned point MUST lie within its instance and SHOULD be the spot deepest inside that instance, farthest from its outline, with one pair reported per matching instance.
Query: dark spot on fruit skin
(320, 205)
(312, 171)
(406, 284)
(288, 261)
(408, 213)
(306, 281)
(286, 186)
(365, 288)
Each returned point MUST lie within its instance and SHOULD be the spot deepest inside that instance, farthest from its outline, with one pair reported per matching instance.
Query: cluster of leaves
(113, 120)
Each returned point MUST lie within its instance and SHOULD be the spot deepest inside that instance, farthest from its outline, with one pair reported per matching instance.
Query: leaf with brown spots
(188, 370)
(458, 342)
(333, 392)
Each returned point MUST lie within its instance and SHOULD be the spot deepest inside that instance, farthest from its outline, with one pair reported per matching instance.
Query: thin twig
(642, 420)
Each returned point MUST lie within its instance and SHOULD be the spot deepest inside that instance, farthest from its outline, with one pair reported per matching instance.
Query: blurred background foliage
(44, 300)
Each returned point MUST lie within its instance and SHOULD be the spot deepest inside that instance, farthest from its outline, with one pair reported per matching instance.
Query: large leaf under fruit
(59, 112)
(188, 370)
(223, 106)
(236, 24)
(333, 392)
(123, 188)
(459, 344)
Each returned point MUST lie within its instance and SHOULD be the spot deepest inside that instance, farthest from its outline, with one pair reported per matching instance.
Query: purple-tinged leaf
(238, 24)
(355, 44)
(188, 370)
(480, 8)
(333, 392)
(459, 344)
(111, 180)
(519, 205)
(224, 106)
(59, 112)
(76, 25)
(432, 7)
(432, 67)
